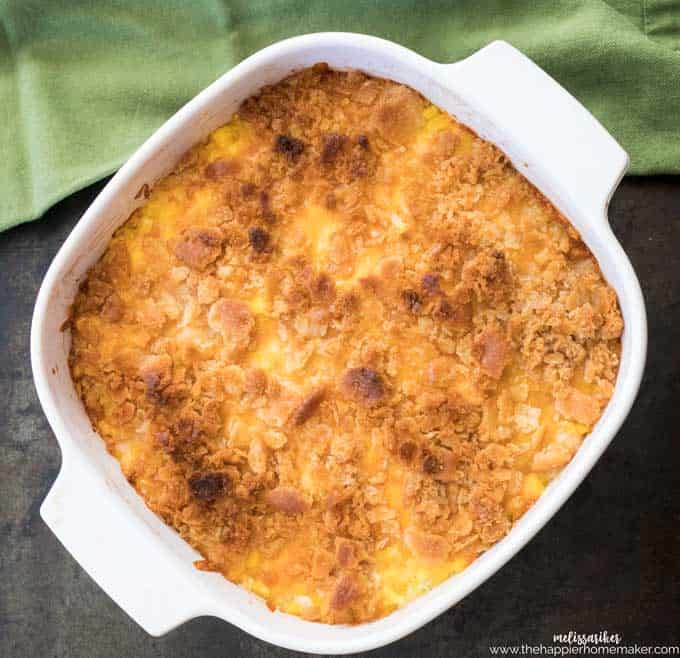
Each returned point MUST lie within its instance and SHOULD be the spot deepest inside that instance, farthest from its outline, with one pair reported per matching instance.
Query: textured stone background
(610, 559)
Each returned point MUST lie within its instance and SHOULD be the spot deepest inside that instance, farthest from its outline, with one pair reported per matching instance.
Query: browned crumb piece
(233, 320)
(156, 373)
(408, 450)
(344, 593)
(491, 349)
(287, 500)
(412, 301)
(488, 274)
(333, 143)
(289, 146)
(305, 410)
(266, 208)
(430, 283)
(208, 487)
(440, 464)
(448, 310)
(426, 545)
(112, 308)
(578, 406)
(220, 168)
(166, 441)
(430, 464)
(346, 553)
(199, 247)
(258, 239)
(364, 385)
(181, 434)
(398, 114)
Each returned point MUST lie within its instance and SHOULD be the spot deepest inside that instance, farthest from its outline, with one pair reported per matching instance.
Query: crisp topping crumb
(364, 385)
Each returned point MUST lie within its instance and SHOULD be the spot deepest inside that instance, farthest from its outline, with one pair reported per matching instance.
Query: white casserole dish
(142, 563)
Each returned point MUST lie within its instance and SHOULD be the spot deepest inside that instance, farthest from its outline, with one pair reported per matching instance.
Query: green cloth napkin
(84, 82)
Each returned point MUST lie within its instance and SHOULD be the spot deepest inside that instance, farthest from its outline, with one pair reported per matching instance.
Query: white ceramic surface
(138, 560)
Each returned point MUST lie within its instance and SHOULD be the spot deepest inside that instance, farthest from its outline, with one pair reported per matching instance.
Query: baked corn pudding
(344, 346)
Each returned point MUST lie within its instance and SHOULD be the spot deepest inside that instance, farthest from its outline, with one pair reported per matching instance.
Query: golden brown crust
(344, 346)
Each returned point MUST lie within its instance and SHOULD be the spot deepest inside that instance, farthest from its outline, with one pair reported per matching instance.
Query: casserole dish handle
(145, 582)
(521, 104)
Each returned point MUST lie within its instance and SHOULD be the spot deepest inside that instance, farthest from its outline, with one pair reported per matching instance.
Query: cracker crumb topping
(344, 346)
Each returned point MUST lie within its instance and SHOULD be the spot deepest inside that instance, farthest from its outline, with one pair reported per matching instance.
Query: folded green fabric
(83, 83)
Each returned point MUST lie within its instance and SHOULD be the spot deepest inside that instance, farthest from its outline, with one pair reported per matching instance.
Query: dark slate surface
(609, 560)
